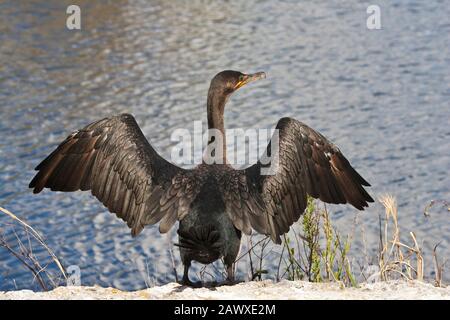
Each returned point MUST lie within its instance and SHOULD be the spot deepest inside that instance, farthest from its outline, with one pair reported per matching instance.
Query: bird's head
(222, 86)
(226, 82)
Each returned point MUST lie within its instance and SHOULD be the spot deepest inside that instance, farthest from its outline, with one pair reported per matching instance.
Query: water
(382, 96)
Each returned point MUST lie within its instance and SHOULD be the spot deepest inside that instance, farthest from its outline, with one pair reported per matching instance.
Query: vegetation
(317, 252)
(21, 245)
(314, 251)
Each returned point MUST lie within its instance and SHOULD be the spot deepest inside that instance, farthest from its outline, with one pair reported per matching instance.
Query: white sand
(250, 290)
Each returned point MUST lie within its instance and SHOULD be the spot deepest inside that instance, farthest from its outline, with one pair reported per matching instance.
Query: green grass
(308, 259)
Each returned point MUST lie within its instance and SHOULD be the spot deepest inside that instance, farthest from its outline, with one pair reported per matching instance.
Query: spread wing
(309, 164)
(113, 159)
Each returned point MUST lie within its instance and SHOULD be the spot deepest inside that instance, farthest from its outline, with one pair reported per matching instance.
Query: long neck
(215, 110)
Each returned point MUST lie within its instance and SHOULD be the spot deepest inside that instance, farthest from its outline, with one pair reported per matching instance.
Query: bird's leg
(230, 273)
(185, 280)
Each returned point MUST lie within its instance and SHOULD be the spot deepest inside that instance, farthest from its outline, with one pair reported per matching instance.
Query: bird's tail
(203, 240)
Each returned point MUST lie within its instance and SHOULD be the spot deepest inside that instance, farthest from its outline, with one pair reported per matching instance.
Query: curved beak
(250, 78)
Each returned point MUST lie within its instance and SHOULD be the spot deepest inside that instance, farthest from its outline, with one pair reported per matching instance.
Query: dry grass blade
(438, 268)
(397, 258)
(419, 257)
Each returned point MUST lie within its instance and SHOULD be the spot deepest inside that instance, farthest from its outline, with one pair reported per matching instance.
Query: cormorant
(214, 203)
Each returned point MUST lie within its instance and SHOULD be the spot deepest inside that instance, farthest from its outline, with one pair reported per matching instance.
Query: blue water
(381, 95)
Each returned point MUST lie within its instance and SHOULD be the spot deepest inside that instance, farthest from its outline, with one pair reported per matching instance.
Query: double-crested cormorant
(213, 202)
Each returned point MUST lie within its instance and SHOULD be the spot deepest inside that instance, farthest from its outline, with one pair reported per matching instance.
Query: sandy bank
(250, 290)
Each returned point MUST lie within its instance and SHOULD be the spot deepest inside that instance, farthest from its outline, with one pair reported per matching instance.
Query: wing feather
(112, 158)
(309, 164)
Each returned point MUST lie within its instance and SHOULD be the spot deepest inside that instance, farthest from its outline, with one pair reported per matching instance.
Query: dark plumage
(213, 202)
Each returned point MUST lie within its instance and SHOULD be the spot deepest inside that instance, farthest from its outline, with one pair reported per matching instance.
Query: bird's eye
(241, 77)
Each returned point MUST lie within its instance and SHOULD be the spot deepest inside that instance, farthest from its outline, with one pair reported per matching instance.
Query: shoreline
(299, 290)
